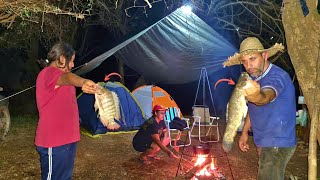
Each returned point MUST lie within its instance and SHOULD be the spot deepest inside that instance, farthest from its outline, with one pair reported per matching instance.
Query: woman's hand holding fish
(89, 86)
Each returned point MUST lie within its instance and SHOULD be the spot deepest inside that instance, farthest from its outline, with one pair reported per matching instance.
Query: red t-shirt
(58, 110)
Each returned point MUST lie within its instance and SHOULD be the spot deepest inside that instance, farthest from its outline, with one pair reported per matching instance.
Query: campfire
(208, 169)
(204, 166)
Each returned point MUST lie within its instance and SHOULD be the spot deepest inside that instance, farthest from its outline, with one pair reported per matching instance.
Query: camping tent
(131, 113)
(150, 95)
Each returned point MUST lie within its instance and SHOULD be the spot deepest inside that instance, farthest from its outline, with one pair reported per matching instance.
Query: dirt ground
(112, 157)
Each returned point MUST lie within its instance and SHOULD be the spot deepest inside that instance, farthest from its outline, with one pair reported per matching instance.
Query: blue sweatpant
(57, 162)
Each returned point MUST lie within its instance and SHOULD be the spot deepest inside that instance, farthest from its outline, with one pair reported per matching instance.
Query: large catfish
(236, 110)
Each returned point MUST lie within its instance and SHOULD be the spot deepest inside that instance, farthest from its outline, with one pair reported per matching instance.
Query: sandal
(144, 161)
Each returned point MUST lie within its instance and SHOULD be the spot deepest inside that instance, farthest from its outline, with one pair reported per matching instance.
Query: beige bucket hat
(252, 45)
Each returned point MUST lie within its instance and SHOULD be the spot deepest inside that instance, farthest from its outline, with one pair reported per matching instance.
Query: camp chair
(205, 122)
(170, 115)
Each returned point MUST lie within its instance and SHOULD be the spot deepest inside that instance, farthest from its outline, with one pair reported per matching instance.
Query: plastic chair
(170, 115)
(202, 119)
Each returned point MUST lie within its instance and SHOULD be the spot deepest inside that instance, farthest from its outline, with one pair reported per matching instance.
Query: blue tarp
(131, 114)
(171, 51)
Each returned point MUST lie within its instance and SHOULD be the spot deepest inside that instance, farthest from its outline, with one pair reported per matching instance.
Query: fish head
(244, 77)
(100, 89)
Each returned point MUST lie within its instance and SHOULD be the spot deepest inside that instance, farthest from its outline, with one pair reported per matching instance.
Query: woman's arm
(72, 79)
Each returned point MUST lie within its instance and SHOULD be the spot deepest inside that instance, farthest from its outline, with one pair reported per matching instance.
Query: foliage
(48, 21)
(30, 10)
(240, 19)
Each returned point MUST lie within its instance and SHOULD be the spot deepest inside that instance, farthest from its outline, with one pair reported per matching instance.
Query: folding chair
(204, 121)
(170, 115)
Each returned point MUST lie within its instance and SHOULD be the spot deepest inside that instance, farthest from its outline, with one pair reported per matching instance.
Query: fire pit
(204, 167)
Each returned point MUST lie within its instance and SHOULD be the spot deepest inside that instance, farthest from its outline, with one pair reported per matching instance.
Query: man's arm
(256, 95)
(265, 96)
(247, 124)
(243, 145)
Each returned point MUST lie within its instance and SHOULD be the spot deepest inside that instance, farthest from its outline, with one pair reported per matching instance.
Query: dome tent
(131, 114)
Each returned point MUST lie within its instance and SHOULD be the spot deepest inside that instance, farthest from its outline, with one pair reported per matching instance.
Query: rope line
(17, 93)
(35, 85)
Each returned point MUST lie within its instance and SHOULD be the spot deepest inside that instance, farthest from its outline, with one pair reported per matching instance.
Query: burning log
(192, 172)
(203, 167)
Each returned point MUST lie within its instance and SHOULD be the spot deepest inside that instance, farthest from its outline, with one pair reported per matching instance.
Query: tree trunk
(312, 156)
(303, 43)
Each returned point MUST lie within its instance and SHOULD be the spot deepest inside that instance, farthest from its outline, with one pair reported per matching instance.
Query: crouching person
(153, 136)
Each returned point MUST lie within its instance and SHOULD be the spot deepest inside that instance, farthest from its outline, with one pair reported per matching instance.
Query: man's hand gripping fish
(236, 110)
(107, 104)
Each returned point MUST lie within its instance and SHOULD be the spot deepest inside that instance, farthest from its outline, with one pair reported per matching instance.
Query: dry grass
(112, 157)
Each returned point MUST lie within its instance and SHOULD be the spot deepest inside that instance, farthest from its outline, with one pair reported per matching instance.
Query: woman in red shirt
(58, 127)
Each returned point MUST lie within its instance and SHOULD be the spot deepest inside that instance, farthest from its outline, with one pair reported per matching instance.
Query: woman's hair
(58, 50)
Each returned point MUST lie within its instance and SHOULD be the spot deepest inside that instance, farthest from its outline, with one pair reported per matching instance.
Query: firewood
(192, 172)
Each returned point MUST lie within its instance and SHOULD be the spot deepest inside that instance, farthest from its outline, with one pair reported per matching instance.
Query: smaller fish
(107, 105)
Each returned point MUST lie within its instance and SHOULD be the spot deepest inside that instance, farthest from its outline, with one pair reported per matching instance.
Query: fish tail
(227, 146)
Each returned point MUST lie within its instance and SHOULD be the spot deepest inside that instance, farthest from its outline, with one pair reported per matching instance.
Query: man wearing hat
(271, 108)
(152, 136)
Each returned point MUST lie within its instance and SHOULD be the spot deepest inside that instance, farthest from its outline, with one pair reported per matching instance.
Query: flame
(206, 170)
(201, 159)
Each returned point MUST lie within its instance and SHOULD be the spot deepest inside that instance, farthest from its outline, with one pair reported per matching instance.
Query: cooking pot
(201, 149)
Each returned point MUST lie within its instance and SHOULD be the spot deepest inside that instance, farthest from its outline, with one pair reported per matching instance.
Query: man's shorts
(140, 146)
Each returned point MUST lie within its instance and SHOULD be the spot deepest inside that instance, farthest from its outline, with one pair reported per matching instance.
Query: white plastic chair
(204, 122)
(170, 115)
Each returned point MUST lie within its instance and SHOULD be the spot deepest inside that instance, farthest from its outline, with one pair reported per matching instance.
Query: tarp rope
(32, 86)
